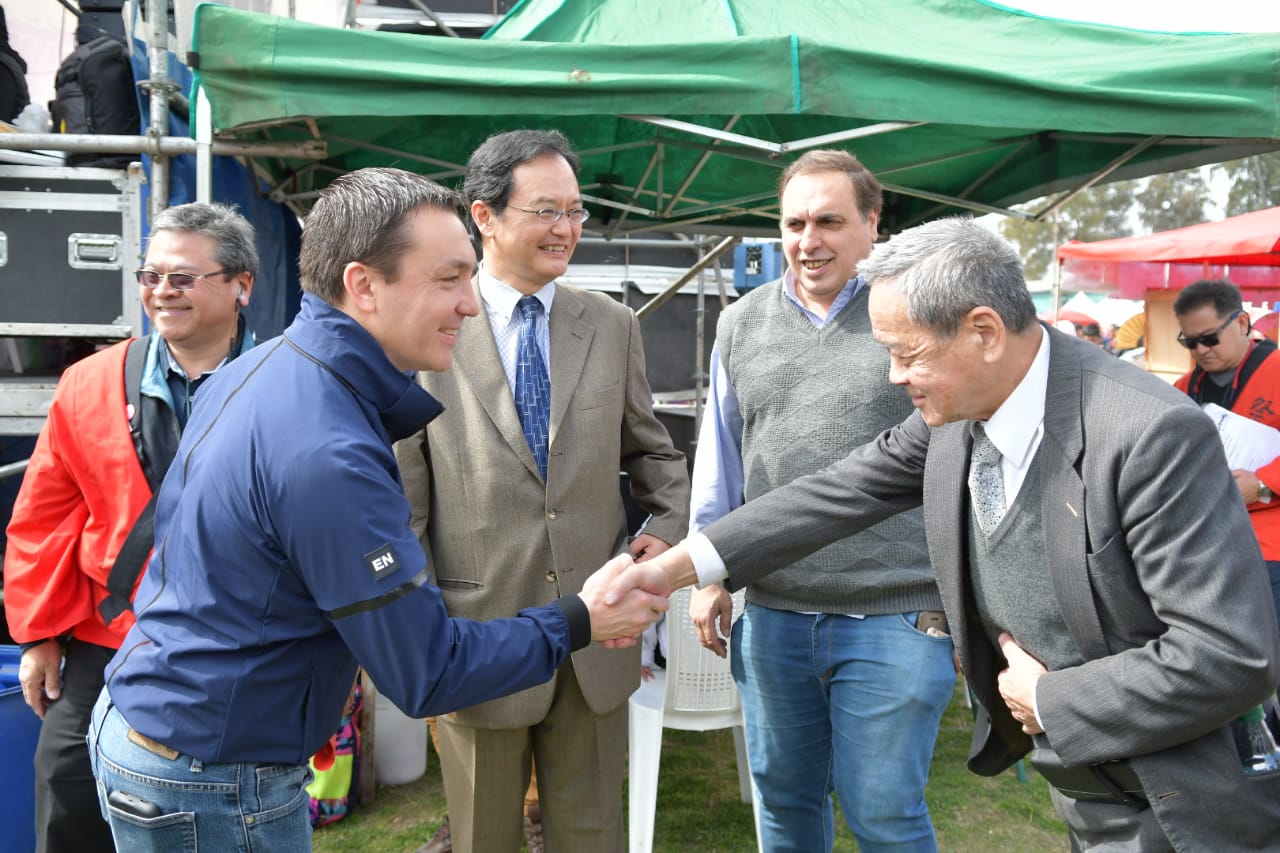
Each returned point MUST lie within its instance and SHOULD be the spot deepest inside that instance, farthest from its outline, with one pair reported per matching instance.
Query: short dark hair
(361, 217)
(866, 189)
(236, 250)
(1218, 292)
(488, 177)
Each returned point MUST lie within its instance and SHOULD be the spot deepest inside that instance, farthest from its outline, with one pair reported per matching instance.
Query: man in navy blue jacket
(284, 555)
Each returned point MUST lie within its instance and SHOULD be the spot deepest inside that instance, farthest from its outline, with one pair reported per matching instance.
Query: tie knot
(530, 307)
(984, 451)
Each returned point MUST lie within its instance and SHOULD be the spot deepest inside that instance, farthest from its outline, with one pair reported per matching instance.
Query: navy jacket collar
(337, 342)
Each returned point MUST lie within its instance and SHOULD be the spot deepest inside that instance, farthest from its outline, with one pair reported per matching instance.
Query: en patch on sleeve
(382, 561)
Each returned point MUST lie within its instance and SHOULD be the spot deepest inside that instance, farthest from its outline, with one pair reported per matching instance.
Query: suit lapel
(946, 504)
(947, 511)
(570, 340)
(479, 368)
(1062, 498)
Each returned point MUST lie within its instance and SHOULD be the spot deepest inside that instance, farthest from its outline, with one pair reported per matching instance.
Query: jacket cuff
(22, 647)
(579, 619)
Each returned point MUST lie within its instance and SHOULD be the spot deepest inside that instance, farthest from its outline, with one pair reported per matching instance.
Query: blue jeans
(834, 702)
(251, 808)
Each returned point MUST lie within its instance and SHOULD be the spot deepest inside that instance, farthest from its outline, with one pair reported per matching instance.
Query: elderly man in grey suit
(516, 494)
(1107, 599)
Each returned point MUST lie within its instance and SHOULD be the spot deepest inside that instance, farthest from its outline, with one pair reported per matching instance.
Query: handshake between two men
(625, 596)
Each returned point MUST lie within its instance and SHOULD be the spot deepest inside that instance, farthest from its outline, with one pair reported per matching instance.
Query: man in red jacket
(72, 564)
(1242, 375)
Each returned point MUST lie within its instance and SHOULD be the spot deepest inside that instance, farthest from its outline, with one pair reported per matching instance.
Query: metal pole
(313, 149)
(204, 148)
(656, 302)
(158, 54)
(13, 468)
(699, 347)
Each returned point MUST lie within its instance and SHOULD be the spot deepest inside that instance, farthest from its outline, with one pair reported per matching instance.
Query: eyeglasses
(549, 215)
(177, 280)
(1209, 339)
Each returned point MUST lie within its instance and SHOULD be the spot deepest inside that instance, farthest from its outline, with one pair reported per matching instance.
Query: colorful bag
(335, 787)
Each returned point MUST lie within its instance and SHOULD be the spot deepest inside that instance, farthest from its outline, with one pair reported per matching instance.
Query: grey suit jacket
(1154, 566)
(499, 540)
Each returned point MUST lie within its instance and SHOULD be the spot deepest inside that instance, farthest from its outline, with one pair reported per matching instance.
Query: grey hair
(489, 169)
(236, 250)
(946, 268)
(361, 217)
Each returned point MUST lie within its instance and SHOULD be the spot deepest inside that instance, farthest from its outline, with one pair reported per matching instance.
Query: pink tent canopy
(1244, 249)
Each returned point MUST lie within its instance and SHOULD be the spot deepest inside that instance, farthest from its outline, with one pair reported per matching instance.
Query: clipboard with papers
(1249, 444)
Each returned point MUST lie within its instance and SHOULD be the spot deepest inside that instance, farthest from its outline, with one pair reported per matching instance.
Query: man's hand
(619, 622)
(646, 545)
(710, 607)
(1247, 482)
(1018, 683)
(658, 575)
(40, 674)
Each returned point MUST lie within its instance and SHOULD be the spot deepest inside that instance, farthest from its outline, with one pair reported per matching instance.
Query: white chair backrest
(697, 679)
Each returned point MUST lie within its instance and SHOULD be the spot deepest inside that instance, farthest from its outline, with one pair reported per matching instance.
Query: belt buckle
(154, 747)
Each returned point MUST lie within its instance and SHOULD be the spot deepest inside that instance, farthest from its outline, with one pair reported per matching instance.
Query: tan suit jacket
(500, 540)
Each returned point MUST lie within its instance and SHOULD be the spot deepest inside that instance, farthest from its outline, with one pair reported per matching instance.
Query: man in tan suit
(517, 508)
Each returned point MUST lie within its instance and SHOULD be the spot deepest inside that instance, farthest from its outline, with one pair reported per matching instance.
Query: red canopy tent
(1244, 249)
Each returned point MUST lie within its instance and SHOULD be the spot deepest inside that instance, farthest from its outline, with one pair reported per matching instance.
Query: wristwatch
(1264, 493)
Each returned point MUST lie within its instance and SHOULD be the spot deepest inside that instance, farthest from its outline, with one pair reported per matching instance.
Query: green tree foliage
(1099, 213)
(1173, 200)
(1254, 183)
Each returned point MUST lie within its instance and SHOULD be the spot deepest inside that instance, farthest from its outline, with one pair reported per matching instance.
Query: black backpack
(13, 84)
(95, 94)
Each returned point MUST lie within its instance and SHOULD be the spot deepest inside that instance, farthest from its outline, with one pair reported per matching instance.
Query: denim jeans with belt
(252, 808)
(843, 703)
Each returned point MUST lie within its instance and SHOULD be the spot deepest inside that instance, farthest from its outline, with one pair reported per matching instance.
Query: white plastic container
(399, 745)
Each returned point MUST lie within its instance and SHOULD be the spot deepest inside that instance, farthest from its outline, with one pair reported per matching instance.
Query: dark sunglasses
(177, 280)
(1209, 339)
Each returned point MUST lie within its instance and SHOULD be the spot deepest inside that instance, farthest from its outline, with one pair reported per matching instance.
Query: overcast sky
(1178, 16)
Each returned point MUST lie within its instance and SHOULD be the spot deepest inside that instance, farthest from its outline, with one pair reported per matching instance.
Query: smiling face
(947, 380)
(204, 317)
(419, 312)
(519, 248)
(824, 237)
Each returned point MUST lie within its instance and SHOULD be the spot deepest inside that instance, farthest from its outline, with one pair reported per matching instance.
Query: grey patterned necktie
(986, 482)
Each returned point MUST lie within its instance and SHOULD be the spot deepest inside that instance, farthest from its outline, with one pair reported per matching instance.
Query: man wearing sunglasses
(72, 561)
(1240, 374)
(517, 506)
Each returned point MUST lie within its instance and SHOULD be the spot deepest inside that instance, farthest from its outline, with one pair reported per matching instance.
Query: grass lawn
(699, 810)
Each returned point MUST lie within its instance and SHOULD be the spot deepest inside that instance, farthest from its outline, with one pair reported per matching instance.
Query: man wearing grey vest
(797, 382)
(1100, 614)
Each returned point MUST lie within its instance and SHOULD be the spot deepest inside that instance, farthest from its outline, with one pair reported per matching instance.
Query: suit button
(552, 515)
(550, 577)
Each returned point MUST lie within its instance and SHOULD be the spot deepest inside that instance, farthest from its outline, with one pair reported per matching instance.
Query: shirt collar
(1016, 425)
(500, 298)
(842, 299)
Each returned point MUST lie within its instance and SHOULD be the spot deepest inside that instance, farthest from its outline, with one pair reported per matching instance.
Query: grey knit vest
(808, 397)
(1009, 573)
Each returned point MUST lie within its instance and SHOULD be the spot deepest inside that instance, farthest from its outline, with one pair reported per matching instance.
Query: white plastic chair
(694, 693)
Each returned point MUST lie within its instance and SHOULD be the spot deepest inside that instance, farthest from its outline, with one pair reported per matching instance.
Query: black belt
(1106, 782)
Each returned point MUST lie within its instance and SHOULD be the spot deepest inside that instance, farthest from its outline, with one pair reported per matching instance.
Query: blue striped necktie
(533, 387)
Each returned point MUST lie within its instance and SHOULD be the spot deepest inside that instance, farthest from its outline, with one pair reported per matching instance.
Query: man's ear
(484, 218)
(359, 281)
(244, 288)
(987, 326)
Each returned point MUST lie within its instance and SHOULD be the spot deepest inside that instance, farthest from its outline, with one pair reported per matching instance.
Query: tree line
(1158, 203)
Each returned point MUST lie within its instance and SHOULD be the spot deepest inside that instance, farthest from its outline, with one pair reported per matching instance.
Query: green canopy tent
(686, 111)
